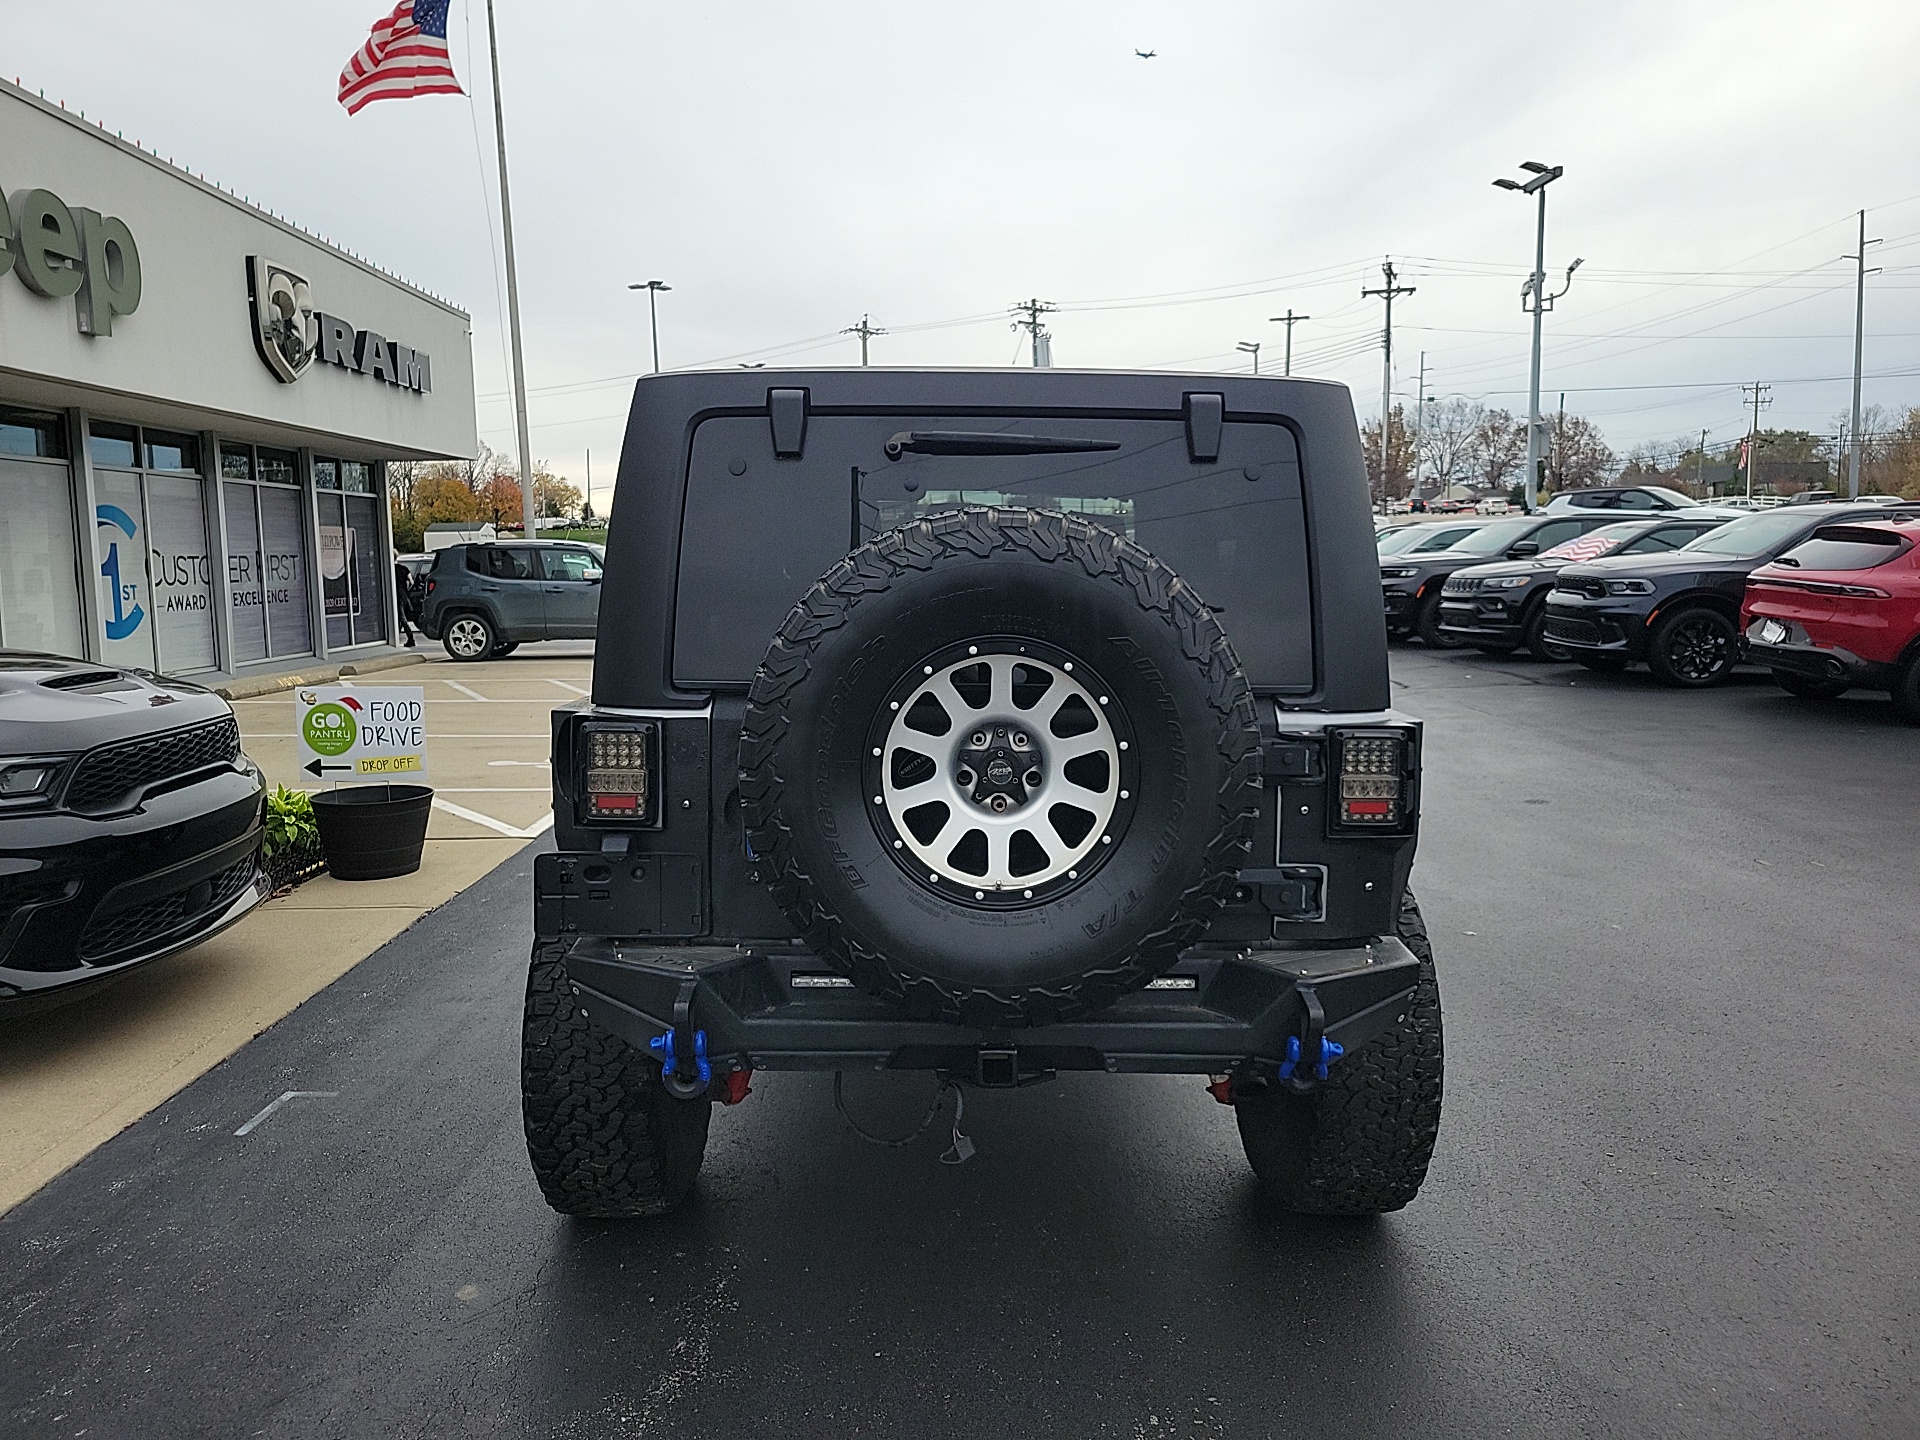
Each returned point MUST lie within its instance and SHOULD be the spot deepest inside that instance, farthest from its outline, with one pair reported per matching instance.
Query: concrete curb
(246, 689)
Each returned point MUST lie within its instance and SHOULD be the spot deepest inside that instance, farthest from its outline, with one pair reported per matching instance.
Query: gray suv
(481, 601)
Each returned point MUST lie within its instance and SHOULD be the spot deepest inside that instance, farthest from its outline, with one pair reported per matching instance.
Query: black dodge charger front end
(129, 821)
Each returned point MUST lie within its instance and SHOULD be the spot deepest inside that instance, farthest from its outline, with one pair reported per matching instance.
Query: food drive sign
(370, 733)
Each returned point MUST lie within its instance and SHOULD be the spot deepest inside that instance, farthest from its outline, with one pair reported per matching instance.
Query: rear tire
(604, 1137)
(1360, 1141)
(1906, 690)
(1426, 624)
(469, 636)
(1603, 664)
(504, 648)
(1807, 687)
(1692, 649)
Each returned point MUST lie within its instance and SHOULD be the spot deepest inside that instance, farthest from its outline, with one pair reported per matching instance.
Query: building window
(176, 453)
(115, 445)
(156, 569)
(354, 567)
(326, 474)
(39, 566)
(266, 553)
(39, 436)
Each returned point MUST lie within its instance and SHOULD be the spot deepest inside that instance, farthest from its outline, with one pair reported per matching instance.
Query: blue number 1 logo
(127, 613)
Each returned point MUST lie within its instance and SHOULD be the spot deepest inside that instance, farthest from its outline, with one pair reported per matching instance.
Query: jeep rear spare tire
(1002, 765)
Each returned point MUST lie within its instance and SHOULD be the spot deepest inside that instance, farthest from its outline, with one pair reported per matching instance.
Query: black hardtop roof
(643, 552)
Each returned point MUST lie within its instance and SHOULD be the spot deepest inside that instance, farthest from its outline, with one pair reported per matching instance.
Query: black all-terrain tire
(1809, 687)
(1538, 643)
(1426, 624)
(1014, 583)
(469, 636)
(1359, 1142)
(1906, 690)
(1693, 648)
(1602, 664)
(605, 1138)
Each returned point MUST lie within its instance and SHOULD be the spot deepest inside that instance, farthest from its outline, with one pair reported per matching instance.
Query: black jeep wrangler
(991, 723)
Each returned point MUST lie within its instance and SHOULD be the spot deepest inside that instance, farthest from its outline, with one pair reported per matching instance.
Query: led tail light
(620, 772)
(1372, 775)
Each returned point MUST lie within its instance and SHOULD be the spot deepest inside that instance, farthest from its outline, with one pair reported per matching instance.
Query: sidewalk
(73, 1078)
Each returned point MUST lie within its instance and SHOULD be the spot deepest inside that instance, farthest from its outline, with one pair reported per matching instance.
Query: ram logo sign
(291, 333)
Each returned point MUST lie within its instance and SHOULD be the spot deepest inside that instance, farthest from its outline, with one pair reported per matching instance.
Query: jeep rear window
(757, 531)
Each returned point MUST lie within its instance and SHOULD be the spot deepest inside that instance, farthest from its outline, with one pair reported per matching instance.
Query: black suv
(481, 601)
(1681, 612)
(129, 823)
(991, 724)
(1411, 584)
(1500, 608)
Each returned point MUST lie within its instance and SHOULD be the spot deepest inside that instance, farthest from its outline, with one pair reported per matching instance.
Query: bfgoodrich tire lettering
(604, 1136)
(898, 610)
(1360, 1141)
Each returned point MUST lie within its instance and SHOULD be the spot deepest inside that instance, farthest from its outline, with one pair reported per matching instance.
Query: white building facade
(198, 402)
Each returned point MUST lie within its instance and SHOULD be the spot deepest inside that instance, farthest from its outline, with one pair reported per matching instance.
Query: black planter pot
(372, 832)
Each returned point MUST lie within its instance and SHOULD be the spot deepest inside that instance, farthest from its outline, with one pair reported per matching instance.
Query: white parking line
(530, 764)
(492, 789)
(565, 686)
(274, 1105)
(539, 827)
(471, 694)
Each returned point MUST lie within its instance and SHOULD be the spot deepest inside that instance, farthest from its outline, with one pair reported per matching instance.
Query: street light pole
(1289, 320)
(1535, 300)
(1251, 347)
(653, 289)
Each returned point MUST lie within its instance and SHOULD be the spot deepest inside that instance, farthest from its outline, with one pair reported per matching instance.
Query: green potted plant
(290, 846)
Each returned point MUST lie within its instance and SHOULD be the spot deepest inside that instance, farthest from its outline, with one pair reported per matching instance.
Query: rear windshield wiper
(987, 442)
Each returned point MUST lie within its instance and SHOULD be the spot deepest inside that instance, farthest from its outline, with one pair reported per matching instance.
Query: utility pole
(1753, 436)
(1859, 325)
(589, 514)
(1386, 292)
(1289, 320)
(1558, 452)
(1419, 421)
(866, 330)
(1251, 347)
(1033, 310)
(513, 290)
(1700, 469)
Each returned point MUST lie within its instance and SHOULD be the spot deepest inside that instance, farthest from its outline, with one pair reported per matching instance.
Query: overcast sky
(787, 168)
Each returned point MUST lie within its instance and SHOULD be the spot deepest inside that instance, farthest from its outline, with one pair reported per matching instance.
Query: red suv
(1839, 610)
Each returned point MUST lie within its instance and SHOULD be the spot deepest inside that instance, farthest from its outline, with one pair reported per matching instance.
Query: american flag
(406, 55)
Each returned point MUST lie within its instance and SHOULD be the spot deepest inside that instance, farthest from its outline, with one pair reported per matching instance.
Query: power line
(866, 330)
(1042, 341)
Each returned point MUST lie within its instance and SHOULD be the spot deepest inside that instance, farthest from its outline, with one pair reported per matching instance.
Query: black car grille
(1461, 585)
(110, 934)
(1585, 589)
(114, 775)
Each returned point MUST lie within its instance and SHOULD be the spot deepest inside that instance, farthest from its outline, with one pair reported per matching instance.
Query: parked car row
(1826, 596)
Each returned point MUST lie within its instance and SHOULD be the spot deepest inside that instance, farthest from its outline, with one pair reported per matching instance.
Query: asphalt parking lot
(1673, 1194)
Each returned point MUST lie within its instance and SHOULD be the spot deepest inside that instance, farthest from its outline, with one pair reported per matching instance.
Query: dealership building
(198, 403)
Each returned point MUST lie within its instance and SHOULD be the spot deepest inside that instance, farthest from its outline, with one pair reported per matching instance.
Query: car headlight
(1398, 572)
(1505, 582)
(25, 781)
(1629, 587)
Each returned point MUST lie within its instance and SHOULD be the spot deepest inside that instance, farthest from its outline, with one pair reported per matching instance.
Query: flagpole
(513, 292)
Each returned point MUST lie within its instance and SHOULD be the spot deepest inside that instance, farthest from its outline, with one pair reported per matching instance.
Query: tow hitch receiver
(997, 1069)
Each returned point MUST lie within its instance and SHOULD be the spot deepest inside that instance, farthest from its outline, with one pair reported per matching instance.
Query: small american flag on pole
(406, 55)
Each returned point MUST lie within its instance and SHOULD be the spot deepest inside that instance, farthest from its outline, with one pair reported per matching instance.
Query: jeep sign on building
(198, 403)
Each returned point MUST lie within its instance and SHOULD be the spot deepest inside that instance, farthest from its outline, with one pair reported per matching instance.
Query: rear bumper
(1798, 655)
(1232, 1013)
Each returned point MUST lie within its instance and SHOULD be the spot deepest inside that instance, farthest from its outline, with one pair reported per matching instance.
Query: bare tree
(1580, 455)
(1500, 448)
(1449, 442)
